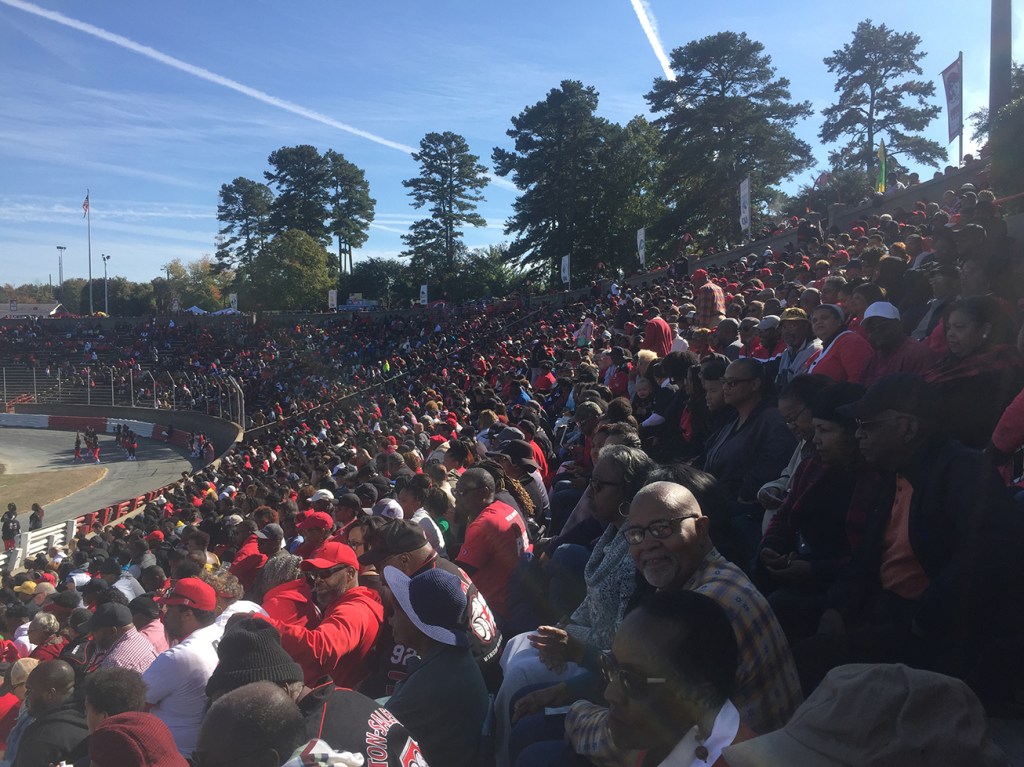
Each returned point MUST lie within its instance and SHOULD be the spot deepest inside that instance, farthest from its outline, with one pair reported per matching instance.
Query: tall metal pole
(106, 297)
(88, 219)
(60, 270)
(1001, 61)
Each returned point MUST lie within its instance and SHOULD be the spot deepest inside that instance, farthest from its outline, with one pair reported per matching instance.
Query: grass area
(45, 487)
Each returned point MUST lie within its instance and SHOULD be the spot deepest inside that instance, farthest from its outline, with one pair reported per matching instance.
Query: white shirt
(431, 530)
(727, 724)
(20, 640)
(176, 680)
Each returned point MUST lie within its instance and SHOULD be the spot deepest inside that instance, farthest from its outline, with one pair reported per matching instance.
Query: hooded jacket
(341, 643)
(52, 737)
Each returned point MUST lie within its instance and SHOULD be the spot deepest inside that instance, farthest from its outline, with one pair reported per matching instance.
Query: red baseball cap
(191, 592)
(331, 554)
(317, 520)
(156, 535)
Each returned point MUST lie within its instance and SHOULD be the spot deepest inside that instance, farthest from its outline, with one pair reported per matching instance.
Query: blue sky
(152, 106)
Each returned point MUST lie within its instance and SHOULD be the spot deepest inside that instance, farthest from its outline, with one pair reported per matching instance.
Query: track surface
(23, 451)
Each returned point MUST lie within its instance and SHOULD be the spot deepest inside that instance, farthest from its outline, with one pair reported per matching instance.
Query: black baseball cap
(902, 392)
(395, 536)
(108, 615)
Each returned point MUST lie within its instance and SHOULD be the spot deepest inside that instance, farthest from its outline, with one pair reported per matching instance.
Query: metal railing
(99, 384)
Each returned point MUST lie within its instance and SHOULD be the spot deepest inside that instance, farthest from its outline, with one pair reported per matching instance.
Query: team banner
(745, 204)
(880, 181)
(641, 242)
(233, 299)
(565, 270)
(332, 299)
(953, 80)
(423, 295)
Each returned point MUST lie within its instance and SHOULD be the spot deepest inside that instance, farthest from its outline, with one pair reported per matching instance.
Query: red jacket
(248, 562)
(291, 603)
(341, 643)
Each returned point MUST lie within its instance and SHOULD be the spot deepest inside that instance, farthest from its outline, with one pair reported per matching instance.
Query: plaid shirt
(710, 302)
(132, 651)
(767, 686)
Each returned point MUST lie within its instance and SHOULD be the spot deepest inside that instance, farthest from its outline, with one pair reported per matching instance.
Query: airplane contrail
(650, 28)
(213, 77)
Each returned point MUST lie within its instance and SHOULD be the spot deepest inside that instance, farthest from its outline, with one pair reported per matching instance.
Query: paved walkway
(26, 450)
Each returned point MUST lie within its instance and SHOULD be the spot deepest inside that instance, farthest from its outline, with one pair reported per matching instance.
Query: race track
(26, 451)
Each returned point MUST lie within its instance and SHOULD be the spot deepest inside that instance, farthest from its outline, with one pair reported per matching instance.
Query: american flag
(85, 205)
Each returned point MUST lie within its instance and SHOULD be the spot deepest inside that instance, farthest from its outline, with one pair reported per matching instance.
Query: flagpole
(960, 58)
(88, 224)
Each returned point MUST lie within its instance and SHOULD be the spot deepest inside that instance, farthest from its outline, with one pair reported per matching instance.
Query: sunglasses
(633, 683)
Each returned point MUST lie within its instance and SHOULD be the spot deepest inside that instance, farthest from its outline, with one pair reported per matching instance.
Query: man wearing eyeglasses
(939, 573)
(669, 540)
(340, 644)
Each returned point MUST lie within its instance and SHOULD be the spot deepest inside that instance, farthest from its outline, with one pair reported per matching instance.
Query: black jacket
(52, 737)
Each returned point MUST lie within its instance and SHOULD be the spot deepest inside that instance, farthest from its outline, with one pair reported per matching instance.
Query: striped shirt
(132, 651)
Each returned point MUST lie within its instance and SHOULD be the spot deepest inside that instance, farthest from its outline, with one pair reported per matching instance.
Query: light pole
(60, 269)
(106, 297)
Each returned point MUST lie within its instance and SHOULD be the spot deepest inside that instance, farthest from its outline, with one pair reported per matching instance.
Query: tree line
(586, 184)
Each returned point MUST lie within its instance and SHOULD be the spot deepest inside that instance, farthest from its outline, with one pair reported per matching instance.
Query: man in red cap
(316, 529)
(341, 643)
(176, 680)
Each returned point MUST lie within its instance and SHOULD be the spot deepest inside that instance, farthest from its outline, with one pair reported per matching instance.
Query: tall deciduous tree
(243, 211)
(555, 162)
(301, 177)
(386, 280)
(724, 117)
(879, 95)
(351, 207)
(449, 187)
(290, 273)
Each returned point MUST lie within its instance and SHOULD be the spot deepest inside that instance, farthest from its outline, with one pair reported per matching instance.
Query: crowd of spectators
(766, 513)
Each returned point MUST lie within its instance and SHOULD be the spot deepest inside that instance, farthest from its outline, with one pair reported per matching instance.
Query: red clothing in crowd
(342, 641)
(909, 357)
(248, 562)
(292, 603)
(657, 336)
(844, 359)
(494, 542)
(544, 382)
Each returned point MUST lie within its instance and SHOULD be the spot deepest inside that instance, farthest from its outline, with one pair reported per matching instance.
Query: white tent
(196, 310)
(227, 310)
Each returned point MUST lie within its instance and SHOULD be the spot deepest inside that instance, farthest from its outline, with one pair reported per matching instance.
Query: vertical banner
(423, 295)
(332, 299)
(565, 270)
(880, 181)
(641, 242)
(745, 204)
(953, 80)
(233, 300)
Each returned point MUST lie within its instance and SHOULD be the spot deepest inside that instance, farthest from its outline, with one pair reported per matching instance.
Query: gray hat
(271, 532)
(768, 322)
(878, 714)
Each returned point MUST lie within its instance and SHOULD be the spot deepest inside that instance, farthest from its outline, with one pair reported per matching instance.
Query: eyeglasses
(796, 416)
(868, 425)
(633, 683)
(731, 382)
(659, 528)
(599, 484)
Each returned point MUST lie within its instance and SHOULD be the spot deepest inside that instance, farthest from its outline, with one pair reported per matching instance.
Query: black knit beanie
(250, 651)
